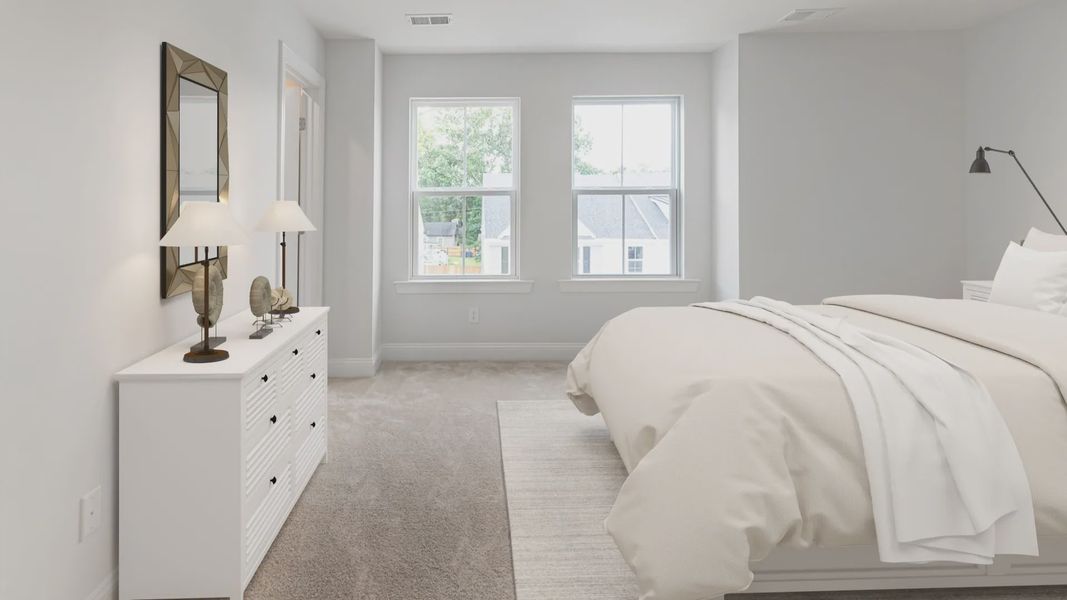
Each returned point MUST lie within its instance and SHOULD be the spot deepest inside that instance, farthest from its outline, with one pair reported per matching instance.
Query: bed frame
(858, 568)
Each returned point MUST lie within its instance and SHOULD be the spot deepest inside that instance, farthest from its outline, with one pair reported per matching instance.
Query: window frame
(674, 191)
(415, 192)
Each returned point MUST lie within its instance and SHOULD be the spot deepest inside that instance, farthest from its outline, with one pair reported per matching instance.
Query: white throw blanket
(946, 480)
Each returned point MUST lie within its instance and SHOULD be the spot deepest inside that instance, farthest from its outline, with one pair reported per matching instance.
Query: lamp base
(212, 342)
(205, 356)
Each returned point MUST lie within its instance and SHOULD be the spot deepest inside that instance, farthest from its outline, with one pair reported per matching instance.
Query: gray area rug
(561, 475)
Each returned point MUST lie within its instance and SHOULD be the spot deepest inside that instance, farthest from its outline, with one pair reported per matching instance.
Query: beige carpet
(561, 475)
(411, 504)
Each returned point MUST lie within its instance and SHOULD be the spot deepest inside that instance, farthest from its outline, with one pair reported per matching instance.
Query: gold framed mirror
(195, 157)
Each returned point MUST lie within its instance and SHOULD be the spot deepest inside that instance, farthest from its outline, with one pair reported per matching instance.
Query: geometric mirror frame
(176, 274)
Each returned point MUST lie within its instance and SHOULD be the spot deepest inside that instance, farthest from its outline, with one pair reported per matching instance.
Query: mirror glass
(198, 156)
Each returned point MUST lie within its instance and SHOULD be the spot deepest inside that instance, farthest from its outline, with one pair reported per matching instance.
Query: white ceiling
(622, 25)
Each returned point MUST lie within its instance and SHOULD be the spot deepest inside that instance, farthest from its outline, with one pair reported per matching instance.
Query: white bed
(743, 447)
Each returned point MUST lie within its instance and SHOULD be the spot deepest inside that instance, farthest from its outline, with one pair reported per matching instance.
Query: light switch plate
(90, 508)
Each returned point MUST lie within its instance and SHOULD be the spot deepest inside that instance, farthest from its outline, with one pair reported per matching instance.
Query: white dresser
(213, 456)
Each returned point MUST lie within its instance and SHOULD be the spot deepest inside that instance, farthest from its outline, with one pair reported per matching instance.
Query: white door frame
(291, 67)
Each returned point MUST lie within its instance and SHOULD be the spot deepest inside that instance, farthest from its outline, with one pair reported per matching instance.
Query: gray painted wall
(1016, 89)
(850, 170)
(546, 84)
(353, 203)
(82, 182)
(725, 171)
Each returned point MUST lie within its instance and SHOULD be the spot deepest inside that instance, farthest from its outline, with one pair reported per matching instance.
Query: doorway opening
(300, 171)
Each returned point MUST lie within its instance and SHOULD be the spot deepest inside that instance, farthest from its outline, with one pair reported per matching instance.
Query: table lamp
(281, 217)
(204, 224)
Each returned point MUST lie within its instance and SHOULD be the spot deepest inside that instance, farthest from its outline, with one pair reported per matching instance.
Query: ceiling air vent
(809, 14)
(424, 20)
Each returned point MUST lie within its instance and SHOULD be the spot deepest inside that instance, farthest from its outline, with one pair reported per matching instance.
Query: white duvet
(739, 437)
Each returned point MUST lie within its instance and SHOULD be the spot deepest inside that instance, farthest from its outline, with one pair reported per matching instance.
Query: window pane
(471, 237)
(597, 145)
(489, 145)
(440, 235)
(599, 227)
(439, 139)
(647, 131)
(648, 234)
(491, 240)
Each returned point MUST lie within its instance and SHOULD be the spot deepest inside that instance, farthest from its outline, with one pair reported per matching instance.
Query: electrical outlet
(472, 315)
(90, 508)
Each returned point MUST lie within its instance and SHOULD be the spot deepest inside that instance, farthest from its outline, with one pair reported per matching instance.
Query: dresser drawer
(292, 368)
(316, 343)
(267, 519)
(259, 396)
(264, 456)
(309, 408)
(310, 452)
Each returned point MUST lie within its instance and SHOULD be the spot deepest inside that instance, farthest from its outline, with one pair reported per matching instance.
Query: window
(464, 182)
(625, 174)
(635, 259)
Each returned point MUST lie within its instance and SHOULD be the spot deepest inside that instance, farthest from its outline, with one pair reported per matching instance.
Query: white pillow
(1046, 242)
(1031, 279)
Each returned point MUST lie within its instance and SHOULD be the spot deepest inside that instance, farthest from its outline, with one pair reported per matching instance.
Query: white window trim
(463, 286)
(631, 284)
(675, 193)
(415, 192)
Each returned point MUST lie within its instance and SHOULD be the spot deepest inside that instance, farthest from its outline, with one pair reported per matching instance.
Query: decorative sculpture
(259, 302)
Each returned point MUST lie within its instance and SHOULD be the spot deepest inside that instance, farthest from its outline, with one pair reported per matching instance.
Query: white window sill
(463, 286)
(635, 285)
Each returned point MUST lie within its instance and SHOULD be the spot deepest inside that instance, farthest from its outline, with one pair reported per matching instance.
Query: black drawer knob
(313, 376)
(296, 351)
(313, 424)
(274, 418)
(264, 379)
(318, 332)
(273, 480)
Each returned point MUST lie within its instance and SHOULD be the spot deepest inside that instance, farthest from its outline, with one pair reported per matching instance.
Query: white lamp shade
(285, 215)
(204, 224)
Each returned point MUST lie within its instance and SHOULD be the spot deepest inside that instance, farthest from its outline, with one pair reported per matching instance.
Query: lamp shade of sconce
(285, 215)
(204, 224)
(980, 164)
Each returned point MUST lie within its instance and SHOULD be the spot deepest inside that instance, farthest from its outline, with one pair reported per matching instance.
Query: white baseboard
(108, 588)
(502, 351)
(355, 367)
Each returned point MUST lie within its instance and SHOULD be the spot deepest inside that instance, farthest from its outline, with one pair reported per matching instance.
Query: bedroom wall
(353, 204)
(80, 184)
(1016, 91)
(850, 168)
(725, 171)
(545, 323)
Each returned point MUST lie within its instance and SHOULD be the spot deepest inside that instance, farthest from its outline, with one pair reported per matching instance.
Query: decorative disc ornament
(260, 296)
(214, 308)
